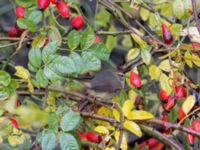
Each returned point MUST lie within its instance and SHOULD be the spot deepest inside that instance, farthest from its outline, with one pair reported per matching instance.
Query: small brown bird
(105, 84)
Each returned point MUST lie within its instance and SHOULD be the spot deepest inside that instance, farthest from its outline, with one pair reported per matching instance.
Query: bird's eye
(121, 76)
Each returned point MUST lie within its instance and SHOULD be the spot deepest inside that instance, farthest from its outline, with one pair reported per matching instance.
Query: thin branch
(188, 115)
(114, 33)
(99, 117)
(194, 8)
(159, 136)
(173, 126)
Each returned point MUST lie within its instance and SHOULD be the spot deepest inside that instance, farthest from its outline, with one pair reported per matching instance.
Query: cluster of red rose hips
(170, 101)
(180, 92)
(15, 31)
(89, 136)
(151, 144)
(76, 22)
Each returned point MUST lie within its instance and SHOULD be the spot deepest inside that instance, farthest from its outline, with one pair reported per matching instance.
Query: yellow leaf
(140, 115)
(132, 54)
(188, 59)
(101, 130)
(132, 95)
(138, 40)
(123, 145)
(22, 72)
(39, 41)
(144, 13)
(110, 148)
(196, 60)
(188, 104)
(127, 107)
(116, 114)
(111, 128)
(133, 127)
(30, 86)
(15, 140)
(164, 83)
(188, 47)
(165, 65)
(154, 72)
(104, 111)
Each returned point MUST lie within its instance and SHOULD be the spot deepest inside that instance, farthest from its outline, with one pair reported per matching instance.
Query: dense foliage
(46, 102)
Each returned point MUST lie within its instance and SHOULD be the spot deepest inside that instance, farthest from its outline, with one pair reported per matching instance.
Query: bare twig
(194, 8)
(173, 126)
(114, 33)
(159, 136)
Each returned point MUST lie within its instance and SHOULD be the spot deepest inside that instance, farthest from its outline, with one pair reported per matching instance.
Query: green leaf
(48, 141)
(70, 121)
(4, 93)
(178, 8)
(64, 65)
(33, 15)
(6, 128)
(87, 38)
(73, 39)
(176, 28)
(50, 73)
(5, 78)
(91, 62)
(78, 62)
(68, 142)
(111, 41)
(35, 57)
(41, 79)
(31, 67)
(146, 56)
(100, 51)
(49, 50)
(26, 24)
(54, 35)
(13, 85)
(53, 121)
(26, 3)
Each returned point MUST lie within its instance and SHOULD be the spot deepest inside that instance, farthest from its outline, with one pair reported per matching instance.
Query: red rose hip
(163, 95)
(63, 9)
(166, 34)
(14, 122)
(13, 32)
(97, 39)
(78, 22)
(43, 4)
(180, 92)
(190, 137)
(170, 103)
(92, 137)
(135, 80)
(20, 12)
(55, 1)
